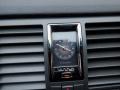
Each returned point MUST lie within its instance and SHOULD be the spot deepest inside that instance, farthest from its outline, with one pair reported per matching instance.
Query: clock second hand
(63, 47)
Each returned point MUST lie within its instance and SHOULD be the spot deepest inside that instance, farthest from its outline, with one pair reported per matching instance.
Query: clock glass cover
(64, 48)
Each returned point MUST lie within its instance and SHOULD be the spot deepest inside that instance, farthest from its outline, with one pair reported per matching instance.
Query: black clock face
(64, 49)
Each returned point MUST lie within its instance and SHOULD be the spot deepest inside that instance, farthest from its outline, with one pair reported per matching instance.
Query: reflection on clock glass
(64, 48)
(71, 36)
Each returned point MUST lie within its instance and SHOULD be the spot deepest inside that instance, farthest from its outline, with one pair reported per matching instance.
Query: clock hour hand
(63, 47)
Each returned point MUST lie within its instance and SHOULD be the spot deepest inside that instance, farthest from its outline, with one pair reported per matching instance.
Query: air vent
(103, 47)
(22, 58)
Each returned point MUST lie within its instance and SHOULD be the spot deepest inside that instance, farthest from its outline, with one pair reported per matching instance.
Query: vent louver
(103, 47)
(22, 58)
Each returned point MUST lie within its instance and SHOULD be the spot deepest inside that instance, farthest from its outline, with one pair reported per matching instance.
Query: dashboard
(59, 45)
(58, 7)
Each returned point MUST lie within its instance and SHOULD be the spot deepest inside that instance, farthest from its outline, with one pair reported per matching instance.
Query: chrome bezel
(79, 43)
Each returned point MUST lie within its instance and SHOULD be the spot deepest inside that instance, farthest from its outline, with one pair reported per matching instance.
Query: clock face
(64, 49)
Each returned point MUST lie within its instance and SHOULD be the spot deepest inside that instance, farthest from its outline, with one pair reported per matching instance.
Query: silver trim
(80, 42)
(50, 46)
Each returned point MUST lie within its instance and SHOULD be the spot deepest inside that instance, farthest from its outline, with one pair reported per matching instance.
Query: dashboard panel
(50, 7)
(51, 45)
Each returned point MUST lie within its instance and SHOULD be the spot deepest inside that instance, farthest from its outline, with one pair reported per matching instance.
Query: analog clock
(64, 49)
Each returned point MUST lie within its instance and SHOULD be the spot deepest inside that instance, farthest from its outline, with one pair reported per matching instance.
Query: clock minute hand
(63, 47)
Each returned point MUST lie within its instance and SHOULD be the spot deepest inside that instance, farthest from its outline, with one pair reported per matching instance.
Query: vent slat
(101, 64)
(22, 58)
(103, 36)
(20, 31)
(22, 68)
(104, 72)
(25, 86)
(105, 87)
(22, 78)
(101, 45)
(102, 29)
(104, 81)
(103, 53)
(21, 49)
(20, 39)
(107, 54)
